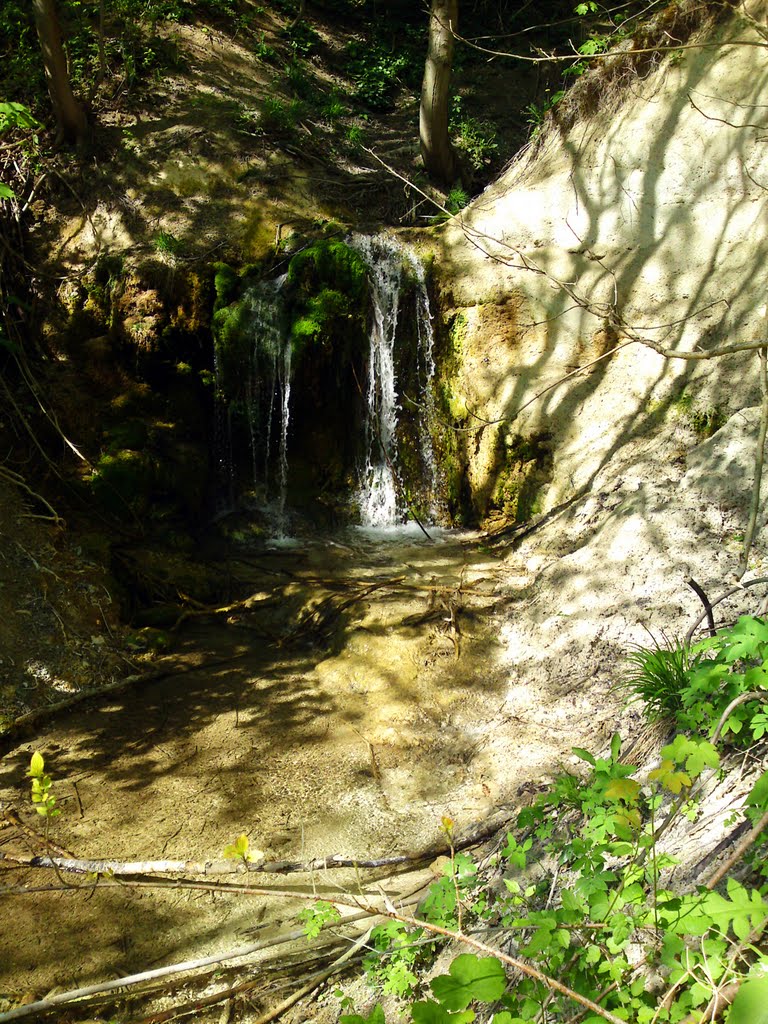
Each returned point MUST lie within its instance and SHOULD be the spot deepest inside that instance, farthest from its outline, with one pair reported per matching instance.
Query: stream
(342, 708)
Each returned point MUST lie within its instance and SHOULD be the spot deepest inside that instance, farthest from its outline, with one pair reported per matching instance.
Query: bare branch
(721, 120)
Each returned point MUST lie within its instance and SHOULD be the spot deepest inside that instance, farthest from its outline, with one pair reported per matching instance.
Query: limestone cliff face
(627, 471)
(645, 221)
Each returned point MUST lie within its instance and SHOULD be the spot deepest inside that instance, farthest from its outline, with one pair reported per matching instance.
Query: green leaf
(430, 1012)
(626, 790)
(756, 678)
(470, 977)
(694, 754)
(668, 777)
(584, 755)
(751, 1003)
(615, 746)
(376, 1016)
(758, 795)
(6, 192)
(744, 639)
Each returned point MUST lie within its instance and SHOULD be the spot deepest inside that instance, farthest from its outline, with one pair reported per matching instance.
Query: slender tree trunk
(436, 151)
(71, 122)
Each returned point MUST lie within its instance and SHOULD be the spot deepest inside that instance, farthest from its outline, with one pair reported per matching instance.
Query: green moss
(321, 316)
(329, 263)
(232, 333)
(704, 420)
(525, 469)
(226, 282)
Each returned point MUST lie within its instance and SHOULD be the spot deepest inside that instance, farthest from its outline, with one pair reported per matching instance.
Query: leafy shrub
(658, 676)
(280, 116)
(457, 200)
(598, 920)
(302, 38)
(376, 71)
(695, 686)
(477, 139)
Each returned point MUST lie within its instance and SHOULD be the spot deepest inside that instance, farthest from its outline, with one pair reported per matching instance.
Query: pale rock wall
(661, 210)
(655, 208)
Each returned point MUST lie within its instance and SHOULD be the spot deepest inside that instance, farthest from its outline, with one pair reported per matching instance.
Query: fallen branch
(187, 966)
(315, 981)
(739, 852)
(717, 600)
(128, 869)
(701, 594)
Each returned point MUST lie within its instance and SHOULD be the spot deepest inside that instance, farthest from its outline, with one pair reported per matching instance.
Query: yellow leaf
(36, 765)
(669, 778)
(623, 789)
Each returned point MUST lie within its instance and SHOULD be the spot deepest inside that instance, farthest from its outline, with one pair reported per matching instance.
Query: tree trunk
(436, 151)
(71, 122)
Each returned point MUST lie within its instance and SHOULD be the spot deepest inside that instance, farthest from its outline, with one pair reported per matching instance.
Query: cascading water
(264, 387)
(264, 397)
(380, 494)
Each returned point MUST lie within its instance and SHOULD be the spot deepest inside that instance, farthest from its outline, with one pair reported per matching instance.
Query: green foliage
(470, 978)
(302, 38)
(476, 139)
(329, 282)
(264, 51)
(17, 121)
(320, 313)
(657, 675)
(457, 200)
(43, 798)
(331, 263)
(536, 112)
(123, 481)
(280, 116)
(695, 686)
(167, 243)
(395, 951)
(226, 282)
(376, 71)
(232, 345)
(315, 918)
(16, 115)
(751, 1003)
(376, 1016)
(586, 921)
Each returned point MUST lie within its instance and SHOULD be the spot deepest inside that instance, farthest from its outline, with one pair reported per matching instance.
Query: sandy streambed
(344, 712)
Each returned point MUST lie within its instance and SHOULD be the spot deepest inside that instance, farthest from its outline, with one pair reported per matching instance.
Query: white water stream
(267, 392)
(380, 492)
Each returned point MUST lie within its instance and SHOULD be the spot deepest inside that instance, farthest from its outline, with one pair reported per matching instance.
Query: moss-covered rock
(329, 263)
(524, 470)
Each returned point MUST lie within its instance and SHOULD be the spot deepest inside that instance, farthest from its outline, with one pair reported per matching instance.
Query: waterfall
(272, 397)
(262, 396)
(380, 493)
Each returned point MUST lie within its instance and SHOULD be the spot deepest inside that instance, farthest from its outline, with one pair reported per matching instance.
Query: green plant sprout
(43, 798)
(241, 850)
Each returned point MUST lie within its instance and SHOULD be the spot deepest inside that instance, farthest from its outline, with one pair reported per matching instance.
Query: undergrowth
(575, 916)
